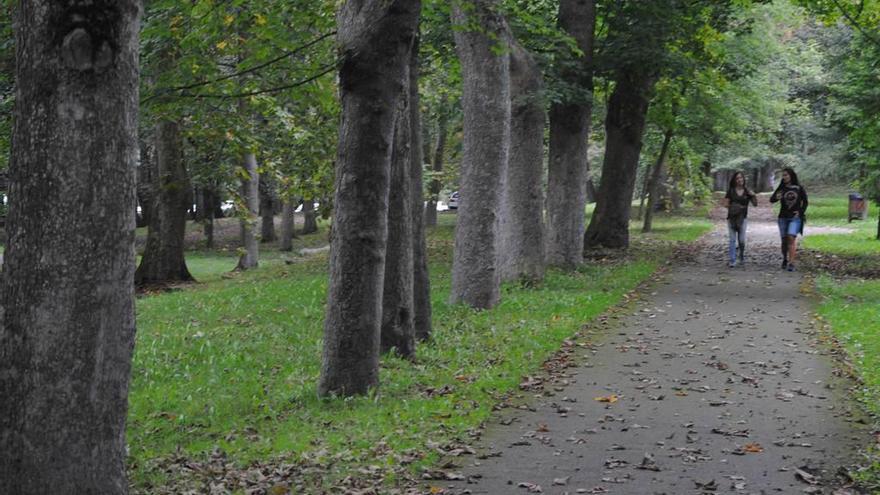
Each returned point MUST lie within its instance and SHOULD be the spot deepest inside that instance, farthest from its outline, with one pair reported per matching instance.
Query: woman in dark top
(792, 207)
(737, 202)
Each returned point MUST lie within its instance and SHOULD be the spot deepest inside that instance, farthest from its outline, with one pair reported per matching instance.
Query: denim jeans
(789, 226)
(735, 236)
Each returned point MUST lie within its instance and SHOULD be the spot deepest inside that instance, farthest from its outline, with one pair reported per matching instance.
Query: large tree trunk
(654, 182)
(310, 222)
(375, 38)
(421, 279)
(267, 210)
(250, 193)
(522, 222)
(68, 330)
(397, 300)
(287, 225)
(624, 128)
(486, 103)
(437, 165)
(568, 171)
(163, 260)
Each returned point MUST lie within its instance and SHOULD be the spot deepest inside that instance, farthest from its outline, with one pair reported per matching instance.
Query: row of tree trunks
(486, 144)
(654, 182)
(522, 220)
(250, 193)
(568, 171)
(374, 39)
(624, 129)
(68, 324)
(163, 260)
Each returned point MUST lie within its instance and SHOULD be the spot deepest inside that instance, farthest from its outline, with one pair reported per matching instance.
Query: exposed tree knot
(80, 53)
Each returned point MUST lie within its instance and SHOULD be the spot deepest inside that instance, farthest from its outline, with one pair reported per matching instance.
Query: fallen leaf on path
(561, 481)
(753, 448)
(611, 399)
(806, 477)
(710, 486)
(531, 487)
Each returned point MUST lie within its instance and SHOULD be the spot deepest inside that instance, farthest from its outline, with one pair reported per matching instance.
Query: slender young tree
(374, 39)
(522, 223)
(421, 280)
(164, 260)
(654, 182)
(250, 193)
(437, 164)
(68, 325)
(568, 170)
(480, 39)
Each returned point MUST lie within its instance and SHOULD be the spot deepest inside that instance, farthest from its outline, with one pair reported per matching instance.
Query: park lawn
(232, 363)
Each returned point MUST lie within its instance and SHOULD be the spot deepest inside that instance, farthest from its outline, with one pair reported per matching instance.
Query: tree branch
(855, 23)
(325, 70)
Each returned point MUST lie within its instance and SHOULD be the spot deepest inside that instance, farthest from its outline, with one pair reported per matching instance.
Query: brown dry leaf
(542, 428)
(753, 448)
(681, 393)
(279, 489)
(611, 399)
(436, 490)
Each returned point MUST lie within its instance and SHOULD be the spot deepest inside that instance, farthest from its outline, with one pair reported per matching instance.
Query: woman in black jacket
(793, 204)
(737, 202)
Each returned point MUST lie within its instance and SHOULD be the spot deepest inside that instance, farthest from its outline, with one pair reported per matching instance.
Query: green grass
(852, 309)
(832, 211)
(233, 362)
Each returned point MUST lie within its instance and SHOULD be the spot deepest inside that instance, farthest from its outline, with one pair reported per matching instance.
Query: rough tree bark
(624, 128)
(522, 223)
(568, 170)
(437, 165)
(210, 198)
(486, 103)
(374, 39)
(68, 330)
(287, 225)
(310, 222)
(250, 193)
(421, 280)
(654, 182)
(397, 300)
(267, 210)
(163, 260)
(146, 182)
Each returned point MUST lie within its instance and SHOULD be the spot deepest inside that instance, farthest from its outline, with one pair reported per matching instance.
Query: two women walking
(793, 206)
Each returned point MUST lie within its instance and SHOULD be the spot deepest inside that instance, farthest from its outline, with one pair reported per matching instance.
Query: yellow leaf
(229, 19)
(611, 399)
(435, 490)
(222, 45)
(260, 19)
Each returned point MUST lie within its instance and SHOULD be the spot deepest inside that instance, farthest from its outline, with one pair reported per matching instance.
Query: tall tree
(374, 39)
(568, 171)
(164, 260)
(421, 280)
(267, 209)
(68, 328)
(522, 221)
(250, 196)
(437, 166)
(485, 63)
(397, 301)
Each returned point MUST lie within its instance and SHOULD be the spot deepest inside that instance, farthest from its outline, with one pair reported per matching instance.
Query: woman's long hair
(732, 185)
(793, 175)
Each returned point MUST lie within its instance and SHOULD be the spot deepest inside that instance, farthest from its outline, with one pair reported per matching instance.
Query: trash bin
(857, 207)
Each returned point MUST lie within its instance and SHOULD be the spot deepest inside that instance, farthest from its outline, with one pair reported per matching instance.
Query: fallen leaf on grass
(611, 399)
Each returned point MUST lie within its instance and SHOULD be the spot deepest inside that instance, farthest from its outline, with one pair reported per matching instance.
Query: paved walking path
(715, 383)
